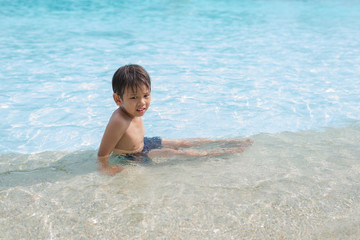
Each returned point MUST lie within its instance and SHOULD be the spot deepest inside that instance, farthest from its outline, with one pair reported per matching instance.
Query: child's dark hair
(132, 76)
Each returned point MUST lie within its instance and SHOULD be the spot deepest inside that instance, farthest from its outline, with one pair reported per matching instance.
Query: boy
(124, 134)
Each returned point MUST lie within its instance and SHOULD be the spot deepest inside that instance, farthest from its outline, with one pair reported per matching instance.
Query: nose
(142, 100)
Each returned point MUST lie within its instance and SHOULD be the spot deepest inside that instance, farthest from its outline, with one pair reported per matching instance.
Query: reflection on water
(289, 185)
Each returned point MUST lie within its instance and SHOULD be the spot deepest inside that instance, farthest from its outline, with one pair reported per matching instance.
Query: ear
(117, 99)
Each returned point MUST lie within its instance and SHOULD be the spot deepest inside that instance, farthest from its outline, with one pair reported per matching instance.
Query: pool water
(283, 73)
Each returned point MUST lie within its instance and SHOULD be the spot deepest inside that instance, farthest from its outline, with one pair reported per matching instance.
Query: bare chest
(133, 137)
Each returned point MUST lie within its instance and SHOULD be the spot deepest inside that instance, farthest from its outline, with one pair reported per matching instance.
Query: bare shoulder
(118, 120)
(120, 116)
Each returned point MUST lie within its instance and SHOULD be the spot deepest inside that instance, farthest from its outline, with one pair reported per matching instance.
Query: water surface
(284, 73)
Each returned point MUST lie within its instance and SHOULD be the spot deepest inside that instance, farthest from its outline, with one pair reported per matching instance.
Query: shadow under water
(46, 167)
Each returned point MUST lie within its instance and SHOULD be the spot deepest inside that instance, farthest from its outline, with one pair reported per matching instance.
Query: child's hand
(111, 170)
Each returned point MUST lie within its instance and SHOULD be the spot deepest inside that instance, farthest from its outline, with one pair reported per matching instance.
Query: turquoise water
(284, 73)
(219, 69)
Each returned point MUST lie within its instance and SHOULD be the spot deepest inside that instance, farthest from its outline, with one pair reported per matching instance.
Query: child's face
(135, 103)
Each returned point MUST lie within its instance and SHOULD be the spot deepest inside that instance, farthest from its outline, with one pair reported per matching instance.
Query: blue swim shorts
(151, 143)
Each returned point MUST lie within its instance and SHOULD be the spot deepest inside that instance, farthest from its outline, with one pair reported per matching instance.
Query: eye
(146, 95)
(133, 97)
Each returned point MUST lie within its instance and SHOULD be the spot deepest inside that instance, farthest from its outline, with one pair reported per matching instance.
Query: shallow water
(284, 73)
(302, 185)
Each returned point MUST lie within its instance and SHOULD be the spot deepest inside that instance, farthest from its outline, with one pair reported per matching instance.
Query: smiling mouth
(141, 110)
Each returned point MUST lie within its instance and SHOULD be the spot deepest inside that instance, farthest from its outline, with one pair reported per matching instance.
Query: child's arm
(113, 132)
